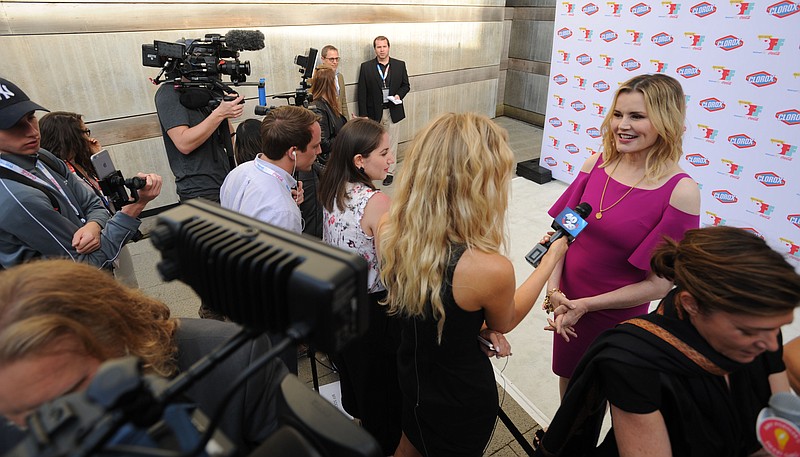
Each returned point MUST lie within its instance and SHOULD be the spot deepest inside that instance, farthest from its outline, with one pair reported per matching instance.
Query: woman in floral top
(352, 207)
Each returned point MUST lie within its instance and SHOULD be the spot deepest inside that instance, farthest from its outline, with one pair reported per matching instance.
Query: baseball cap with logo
(14, 104)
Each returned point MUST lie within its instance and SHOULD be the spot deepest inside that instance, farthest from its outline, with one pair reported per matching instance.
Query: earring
(361, 169)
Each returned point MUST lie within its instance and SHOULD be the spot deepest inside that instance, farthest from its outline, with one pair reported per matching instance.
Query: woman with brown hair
(690, 378)
(59, 320)
(325, 103)
(352, 208)
(67, 137)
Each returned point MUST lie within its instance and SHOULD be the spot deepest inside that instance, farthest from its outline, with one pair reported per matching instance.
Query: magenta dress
(612, 252)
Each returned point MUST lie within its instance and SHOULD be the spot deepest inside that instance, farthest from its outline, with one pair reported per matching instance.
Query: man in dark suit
(382, 85)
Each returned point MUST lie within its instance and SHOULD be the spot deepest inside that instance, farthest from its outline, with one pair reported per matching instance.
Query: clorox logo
(550, 161)
(572, 149)
(697, 160)
(560, 79)
(640, 9)
(741, 141)
(601, 86)
(584, 59)
(729, 43)
(783, 9)
(593, 132)
(688, 71)
(662, 39)
(555, 122)
(578, 105)
(631, 64)
(712, 104)
(724, 196)
(794, 219)
(770, 179)
(565, 33)
(589, 9)
(761, 79)
(789, 117)
(609, 36)
(703, 9)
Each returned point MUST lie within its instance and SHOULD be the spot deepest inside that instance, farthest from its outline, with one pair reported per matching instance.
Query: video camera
(201, 63)
(260, 276)
(300, 95)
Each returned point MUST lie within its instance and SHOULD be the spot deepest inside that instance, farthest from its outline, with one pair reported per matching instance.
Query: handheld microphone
(244, 40)
(777, 425)
(569, 222)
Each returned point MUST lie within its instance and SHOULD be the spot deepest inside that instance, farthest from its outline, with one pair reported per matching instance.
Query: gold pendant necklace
(599, 214)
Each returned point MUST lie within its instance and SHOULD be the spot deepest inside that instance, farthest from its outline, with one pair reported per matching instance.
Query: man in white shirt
(265, 188)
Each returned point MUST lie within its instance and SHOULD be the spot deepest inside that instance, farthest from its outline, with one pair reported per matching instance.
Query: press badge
(385, 95)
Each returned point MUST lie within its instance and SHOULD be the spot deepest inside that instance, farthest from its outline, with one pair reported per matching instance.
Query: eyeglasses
(88, 132)
(332, 59)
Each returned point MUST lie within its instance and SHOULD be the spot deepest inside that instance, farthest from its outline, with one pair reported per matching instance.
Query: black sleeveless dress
(450, 399)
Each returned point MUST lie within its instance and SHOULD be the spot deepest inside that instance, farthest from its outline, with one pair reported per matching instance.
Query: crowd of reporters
(418, 380)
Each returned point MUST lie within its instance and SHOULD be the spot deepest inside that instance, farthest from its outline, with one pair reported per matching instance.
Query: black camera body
(203, 61)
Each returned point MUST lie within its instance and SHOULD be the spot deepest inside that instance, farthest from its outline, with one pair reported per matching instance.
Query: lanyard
(52, 184)
(94, 186)
(265, 169)
(382, 74)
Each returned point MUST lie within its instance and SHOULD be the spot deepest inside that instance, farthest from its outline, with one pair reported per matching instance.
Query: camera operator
(61, 320)
(48, 211)
(194, 139)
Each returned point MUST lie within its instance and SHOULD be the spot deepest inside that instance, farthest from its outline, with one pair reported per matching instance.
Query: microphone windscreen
(195, 97)
(786, 405)
(245, 40)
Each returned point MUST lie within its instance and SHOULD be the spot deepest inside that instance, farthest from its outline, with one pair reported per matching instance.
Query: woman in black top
(690, 378)
(326, 105)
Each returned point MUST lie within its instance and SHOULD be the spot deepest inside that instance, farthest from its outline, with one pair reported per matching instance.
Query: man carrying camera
(48, 211)
(194, 141)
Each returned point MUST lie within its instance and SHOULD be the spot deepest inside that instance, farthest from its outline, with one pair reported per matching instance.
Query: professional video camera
(300, 95)
(201, 63)
(260, 276)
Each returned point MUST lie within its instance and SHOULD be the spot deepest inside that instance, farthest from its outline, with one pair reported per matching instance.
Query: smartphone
(102, 164)
(486, 343)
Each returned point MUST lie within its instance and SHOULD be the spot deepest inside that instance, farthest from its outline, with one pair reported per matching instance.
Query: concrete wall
(530, 48)
(86, 57)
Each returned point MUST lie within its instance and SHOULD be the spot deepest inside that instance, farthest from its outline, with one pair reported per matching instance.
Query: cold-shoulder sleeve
(674, 223)
(571, 196)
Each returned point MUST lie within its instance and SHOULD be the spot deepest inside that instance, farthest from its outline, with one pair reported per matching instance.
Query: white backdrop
(739, 64)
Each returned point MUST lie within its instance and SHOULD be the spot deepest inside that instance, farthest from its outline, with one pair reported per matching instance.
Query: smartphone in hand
(102, 164)
(486, 343)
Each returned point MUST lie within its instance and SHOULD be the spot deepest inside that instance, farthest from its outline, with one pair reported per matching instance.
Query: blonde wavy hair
(666, 110)
(43, 301)
(453, 191)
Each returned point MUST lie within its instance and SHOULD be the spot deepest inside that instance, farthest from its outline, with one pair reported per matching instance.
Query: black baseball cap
(14, 104)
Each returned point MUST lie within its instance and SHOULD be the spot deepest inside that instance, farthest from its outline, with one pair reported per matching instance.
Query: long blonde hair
(453, 191)
(43, 301)
(666, 110)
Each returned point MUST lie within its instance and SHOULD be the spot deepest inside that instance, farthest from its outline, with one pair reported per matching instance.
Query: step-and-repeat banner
(739, 64)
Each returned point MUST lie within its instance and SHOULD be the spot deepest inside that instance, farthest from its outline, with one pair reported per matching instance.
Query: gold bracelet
(547, 304)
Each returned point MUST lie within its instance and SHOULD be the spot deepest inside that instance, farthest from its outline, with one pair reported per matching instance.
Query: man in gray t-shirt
(194, 143)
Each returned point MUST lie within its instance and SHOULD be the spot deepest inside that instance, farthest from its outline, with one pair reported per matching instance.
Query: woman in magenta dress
(638, 194)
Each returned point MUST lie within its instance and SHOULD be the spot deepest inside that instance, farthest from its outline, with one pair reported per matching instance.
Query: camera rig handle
(114, 185)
